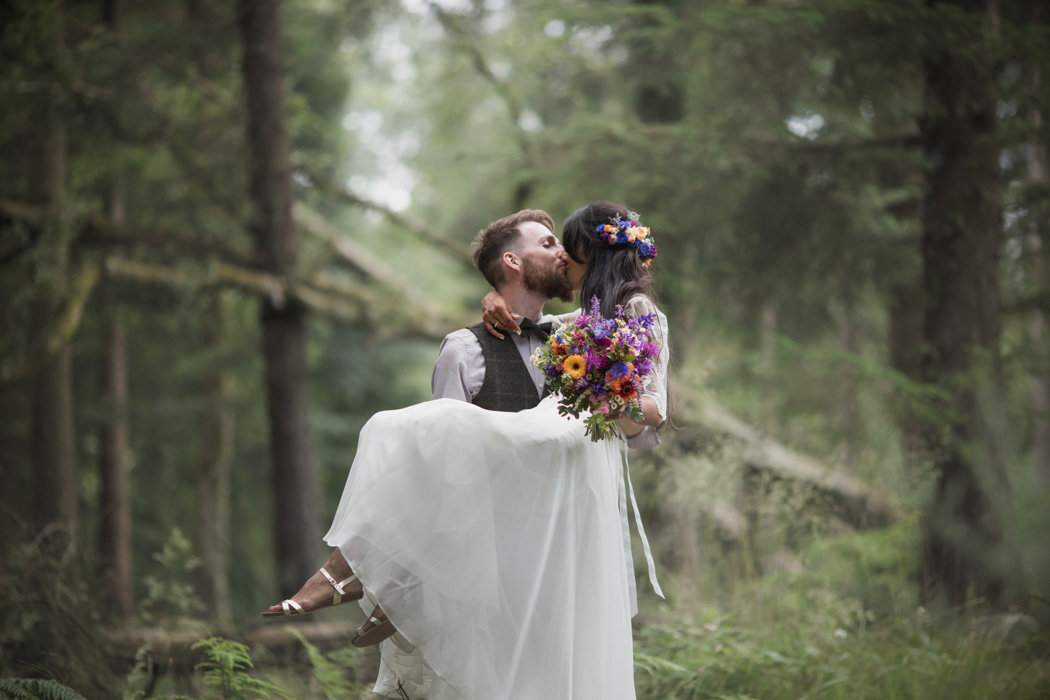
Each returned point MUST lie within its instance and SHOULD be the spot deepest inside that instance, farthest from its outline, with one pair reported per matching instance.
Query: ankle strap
(338, 585)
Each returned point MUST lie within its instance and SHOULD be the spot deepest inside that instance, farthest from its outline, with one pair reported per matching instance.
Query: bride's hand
(498, 316)
(633, 426)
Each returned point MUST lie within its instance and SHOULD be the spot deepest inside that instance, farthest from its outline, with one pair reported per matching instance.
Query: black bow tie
(541, 329)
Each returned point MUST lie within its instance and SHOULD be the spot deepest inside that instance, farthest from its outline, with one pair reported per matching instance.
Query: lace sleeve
(562, 319)
(656, 384)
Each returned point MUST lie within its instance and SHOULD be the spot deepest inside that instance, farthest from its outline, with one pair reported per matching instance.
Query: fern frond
(330, 677)
(36, 689)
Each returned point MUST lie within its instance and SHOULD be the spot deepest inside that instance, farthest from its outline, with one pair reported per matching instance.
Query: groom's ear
(512, 260)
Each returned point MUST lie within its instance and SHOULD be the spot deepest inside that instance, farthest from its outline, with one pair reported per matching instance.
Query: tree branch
(61, 330)
(1037, 301)
(356, 256)
(363, 261)
(341, 300)
(102, 233)
(504, 89)
(455, 249)
(34, 218)
(453, 26)
(390, 308)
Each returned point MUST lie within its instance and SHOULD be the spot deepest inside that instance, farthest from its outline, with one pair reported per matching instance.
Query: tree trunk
(114, 532)
(1038, 176)
(906, 326)
(115, 592)
(966, 558)
(54, 454)
(906, 320)
(12, 510)
(1039, 388)
(53, 434)
(115, 508)
(659, 96)
(213, 483)
(295, 484)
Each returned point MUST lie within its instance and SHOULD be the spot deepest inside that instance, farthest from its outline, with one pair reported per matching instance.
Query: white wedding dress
(497, 544)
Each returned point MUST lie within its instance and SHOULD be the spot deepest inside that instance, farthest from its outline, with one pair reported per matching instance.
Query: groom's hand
(498, 316)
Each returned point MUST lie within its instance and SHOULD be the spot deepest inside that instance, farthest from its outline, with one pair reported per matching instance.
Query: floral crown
(630, 233)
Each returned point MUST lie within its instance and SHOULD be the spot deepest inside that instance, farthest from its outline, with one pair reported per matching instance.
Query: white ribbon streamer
(641, 530)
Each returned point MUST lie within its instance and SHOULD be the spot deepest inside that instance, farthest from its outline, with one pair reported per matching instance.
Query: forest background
(230, 232)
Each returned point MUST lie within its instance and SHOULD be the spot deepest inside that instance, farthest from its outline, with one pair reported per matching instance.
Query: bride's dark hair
(614, 273)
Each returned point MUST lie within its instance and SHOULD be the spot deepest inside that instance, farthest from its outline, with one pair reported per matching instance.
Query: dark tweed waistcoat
(507, 385)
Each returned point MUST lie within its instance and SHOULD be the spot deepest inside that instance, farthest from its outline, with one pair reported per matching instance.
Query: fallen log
(854, 502)
(860, 504)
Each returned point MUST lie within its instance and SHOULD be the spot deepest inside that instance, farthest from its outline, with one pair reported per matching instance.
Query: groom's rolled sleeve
(460, 368)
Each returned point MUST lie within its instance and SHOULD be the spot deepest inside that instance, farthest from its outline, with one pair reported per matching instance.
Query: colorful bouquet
(599, 364)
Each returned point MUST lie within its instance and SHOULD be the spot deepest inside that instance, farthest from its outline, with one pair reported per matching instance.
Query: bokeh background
(232, 231)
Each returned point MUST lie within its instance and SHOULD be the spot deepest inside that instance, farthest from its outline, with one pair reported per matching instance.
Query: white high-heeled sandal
(290, 608)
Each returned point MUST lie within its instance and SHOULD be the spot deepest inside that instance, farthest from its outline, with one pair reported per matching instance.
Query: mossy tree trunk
(1039, 244)
(966, 557)
(115, 590)
(215, 475)
(53, 432)
(295, 483)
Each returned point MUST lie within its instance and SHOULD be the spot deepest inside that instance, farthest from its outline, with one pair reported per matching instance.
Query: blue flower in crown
(630, 233)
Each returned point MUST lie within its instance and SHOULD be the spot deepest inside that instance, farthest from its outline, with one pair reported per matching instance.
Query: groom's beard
(551, 283)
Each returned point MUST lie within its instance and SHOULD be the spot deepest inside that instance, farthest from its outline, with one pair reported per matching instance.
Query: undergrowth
(847, 627)
(724, 658)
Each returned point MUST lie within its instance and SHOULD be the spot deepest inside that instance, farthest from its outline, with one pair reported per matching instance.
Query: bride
(492, 548)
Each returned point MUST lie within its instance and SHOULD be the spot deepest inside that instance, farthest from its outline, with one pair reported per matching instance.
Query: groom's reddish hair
(496, 238)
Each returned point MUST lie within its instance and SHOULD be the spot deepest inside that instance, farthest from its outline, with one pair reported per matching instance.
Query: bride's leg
(334, 583)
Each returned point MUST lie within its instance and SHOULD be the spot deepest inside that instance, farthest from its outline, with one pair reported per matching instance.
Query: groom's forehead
(535, 232)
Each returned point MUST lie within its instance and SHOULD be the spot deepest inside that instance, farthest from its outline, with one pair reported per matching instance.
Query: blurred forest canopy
(230, 232)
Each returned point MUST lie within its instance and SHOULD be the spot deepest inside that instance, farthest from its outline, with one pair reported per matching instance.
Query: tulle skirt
(495, 542)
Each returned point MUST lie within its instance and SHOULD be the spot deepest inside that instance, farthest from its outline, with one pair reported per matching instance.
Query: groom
(522, 259)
